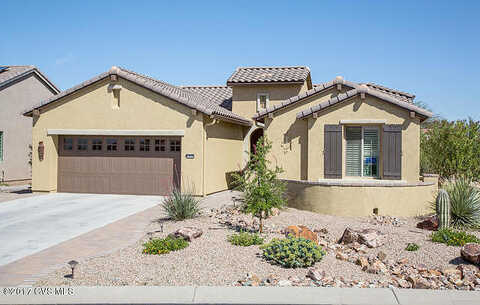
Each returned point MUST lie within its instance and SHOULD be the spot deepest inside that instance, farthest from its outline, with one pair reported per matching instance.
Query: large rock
(187, 233)
(370, 237)
(429, 223)
(301, 231)
(471, 252)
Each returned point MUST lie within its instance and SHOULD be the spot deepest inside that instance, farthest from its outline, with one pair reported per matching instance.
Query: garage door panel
(119, 172)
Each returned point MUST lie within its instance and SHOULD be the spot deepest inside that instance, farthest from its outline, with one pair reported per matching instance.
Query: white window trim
(258, 100)
(362, 154)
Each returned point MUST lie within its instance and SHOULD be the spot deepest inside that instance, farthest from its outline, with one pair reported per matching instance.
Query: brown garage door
(119, 165)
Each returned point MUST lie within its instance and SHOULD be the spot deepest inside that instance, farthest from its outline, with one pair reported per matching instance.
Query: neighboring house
(21, 87)
(346, 148)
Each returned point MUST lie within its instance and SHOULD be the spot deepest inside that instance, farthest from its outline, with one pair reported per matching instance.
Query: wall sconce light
(73, 264)
(41, 151)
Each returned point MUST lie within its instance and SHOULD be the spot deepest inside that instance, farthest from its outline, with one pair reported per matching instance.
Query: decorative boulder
(187, 233)
(429, 223)
(301, 231)
(471, 252)
(369, 237)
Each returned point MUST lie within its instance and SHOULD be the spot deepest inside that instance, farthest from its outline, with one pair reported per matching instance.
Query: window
(82, 144)
(97, 144)
(67, 144)
(262, 101)
(362, 151)
(160, 145)
(175, 145)
(111, 144)
(1, 145)
(145, 145)
(129, 144)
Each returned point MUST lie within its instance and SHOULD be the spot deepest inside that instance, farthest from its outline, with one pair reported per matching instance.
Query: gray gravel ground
(211, 260)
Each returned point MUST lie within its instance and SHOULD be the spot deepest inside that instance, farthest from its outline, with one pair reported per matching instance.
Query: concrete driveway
(29, 225)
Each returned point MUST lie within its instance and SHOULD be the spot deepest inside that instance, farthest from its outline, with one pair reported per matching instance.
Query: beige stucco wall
(140, 109)
(223, 154)
(244, 103)
(244, 97)
(289, 136)
(357, 109)
(17, 129)
(361, 200)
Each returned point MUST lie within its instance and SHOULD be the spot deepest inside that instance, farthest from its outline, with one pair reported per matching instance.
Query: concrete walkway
(234, 295)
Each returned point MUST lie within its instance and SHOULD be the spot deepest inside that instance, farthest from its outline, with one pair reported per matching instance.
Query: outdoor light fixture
(41, 150)
(73, 264)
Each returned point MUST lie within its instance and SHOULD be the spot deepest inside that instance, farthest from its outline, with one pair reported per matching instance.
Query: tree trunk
(261, 225)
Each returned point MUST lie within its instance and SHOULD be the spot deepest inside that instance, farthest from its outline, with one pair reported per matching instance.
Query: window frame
(111, 143)
(64, 142)
(160, 145)
(97, 142)
(145, 146)
(365, 127)
(267, 101)
(86, 144)
(133, 143)
(174, 143)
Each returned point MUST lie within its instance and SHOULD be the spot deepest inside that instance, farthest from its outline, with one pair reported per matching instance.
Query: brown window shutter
(332, 152)
(392, 152)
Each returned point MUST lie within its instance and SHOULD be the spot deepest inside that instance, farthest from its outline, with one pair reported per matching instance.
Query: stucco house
(346, 148)
(20, 87)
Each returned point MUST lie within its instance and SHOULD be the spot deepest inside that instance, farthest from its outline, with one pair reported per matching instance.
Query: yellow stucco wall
(223, 153)
(244, 97)
(289, 136)
(361, 200)
(357, 109)
(140, 109)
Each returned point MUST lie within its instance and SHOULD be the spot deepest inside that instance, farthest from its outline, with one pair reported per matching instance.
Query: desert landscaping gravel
(211, 260)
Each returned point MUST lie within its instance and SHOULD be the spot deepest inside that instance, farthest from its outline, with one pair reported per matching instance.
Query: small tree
(260, 185)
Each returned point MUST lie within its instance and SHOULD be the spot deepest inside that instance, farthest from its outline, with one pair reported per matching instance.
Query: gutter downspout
(204, 153)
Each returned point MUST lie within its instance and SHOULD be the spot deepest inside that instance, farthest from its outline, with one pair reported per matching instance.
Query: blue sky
(429, 48)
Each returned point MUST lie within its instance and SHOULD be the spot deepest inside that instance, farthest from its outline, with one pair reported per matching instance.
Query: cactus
(442, 208)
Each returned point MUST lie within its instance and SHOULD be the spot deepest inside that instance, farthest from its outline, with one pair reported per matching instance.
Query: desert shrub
(180, 206)
(292, 252)
(262, 190)
(412, 247)
(464, 203)
(164, 245)
(245, 239)
(453, 238)
(450, 149)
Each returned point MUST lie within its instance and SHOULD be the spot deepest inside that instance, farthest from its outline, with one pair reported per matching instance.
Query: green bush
(180, 206)
(164, 245)
(464, 203)
(245, 239)
(453, 238)
(412, 247)
(450, 149)
(292, 252)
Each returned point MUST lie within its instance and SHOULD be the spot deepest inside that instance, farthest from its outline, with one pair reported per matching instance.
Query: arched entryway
(257, 134)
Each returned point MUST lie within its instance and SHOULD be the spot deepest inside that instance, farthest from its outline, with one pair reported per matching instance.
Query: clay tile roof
(220, 95)
(188, 98)
(404, 96)
(268, 75)
(11, 73)
(351, 93)
(317, 88)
